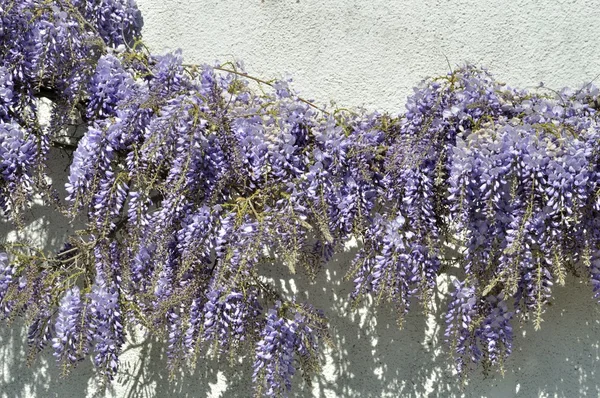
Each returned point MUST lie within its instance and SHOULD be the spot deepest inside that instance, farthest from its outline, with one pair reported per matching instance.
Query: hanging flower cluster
(190, 180)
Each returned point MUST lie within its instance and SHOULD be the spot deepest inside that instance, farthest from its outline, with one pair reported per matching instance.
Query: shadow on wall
(370, 356)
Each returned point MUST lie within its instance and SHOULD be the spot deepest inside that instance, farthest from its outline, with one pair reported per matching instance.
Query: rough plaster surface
(373, 52)
(359, 53)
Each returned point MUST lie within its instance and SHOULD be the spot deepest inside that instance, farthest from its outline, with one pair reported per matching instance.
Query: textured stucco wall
(373, 52)
(361, 53)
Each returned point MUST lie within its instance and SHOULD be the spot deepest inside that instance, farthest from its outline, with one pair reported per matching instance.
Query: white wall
(372, 52)
(362, 53)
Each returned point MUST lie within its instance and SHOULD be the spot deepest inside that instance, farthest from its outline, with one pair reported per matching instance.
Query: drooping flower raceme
(285, 343)
(106, 325)
(17, 156)
(66, 343)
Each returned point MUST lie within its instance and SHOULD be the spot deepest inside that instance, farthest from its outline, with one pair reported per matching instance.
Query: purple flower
(459, 319)
(67, 340)
(18, 154)
(228, 317)
(105, 326)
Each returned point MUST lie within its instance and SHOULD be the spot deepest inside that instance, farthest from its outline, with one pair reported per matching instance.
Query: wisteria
(17, 155)
(106, 332)
(66, 342)
(6, 280)
(189, 180)
(282, 339)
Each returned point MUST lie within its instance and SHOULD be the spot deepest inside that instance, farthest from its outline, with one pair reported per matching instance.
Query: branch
(261, 81)
(63, 145)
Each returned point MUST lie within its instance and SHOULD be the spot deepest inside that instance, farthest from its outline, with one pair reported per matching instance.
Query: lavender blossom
(105, 326)
(68, 327)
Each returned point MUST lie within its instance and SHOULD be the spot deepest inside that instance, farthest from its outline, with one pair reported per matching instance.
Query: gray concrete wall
(360, 53)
